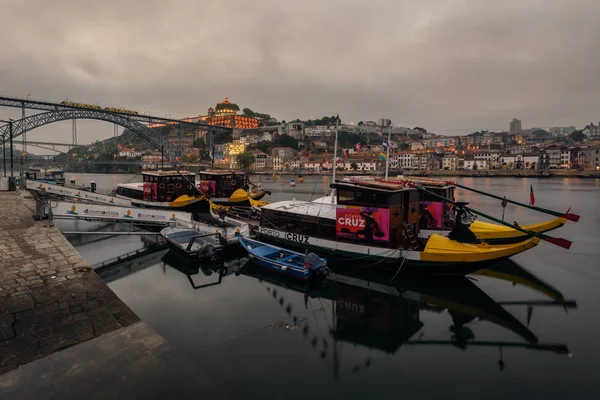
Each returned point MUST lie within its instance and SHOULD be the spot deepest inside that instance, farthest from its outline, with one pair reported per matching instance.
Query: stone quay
(65, 334)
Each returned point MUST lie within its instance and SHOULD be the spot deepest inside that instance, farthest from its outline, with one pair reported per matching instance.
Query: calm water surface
(362, 335)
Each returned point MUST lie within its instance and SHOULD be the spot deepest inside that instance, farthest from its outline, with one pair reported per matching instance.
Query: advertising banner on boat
(368, 224)
(208, 187)
(431, 215)
(150, 191)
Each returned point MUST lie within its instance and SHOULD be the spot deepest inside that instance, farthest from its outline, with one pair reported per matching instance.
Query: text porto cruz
(294, 237)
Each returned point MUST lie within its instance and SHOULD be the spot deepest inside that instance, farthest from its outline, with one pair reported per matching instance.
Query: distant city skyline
(452, 67)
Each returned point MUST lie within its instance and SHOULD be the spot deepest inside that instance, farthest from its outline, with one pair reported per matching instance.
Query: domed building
(225, 114)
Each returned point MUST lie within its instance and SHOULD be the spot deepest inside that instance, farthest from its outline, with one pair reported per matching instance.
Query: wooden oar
(564, 243)
(567, 215)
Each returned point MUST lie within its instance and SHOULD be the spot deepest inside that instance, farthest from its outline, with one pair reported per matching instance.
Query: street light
(10, 130)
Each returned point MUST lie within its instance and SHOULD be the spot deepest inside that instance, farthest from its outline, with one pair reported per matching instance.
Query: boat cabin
(434, 213)
(166, 186)
(377, 213)
(48, 175)
(374, 214)
(221, 183)
(159, 186)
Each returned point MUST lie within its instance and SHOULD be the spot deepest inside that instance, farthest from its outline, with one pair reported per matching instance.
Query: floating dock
(111, 213)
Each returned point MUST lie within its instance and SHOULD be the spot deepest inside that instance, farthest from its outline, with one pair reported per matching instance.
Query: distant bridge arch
(37, 120)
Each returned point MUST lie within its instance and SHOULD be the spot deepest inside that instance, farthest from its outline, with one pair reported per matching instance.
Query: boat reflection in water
(376, 311)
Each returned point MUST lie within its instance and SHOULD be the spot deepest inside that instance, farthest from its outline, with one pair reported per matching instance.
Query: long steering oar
(567, 215)
(564, 243)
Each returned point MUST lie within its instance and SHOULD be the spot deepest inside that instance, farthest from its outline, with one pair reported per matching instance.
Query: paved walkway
(56, 310)
(50, 299)
(130, 363)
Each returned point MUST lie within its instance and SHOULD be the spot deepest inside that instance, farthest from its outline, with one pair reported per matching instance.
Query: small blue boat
(288, 262)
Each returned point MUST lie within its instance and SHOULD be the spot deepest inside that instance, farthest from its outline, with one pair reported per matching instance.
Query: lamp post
(4, 153)
(10, 130)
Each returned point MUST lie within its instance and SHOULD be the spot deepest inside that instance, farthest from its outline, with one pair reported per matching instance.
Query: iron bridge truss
(137, 123)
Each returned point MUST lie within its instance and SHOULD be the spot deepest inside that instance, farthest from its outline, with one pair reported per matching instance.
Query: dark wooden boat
(191, 245)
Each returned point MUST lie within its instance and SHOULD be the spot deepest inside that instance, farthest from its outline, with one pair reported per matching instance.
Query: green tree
(577, 136)
(360, 123)
(354, 166)
(248, 112)
(245, 160)
(286, 141)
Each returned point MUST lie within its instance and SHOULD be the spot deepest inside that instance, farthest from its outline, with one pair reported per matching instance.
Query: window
(346, 195)
(379, 199)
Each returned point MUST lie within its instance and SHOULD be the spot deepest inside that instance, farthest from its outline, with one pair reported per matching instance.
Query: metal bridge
(55, 112)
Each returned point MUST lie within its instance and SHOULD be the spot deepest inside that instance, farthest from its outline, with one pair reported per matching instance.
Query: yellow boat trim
(487, 231)
(216, 207)
(444, 250)
(184, 200)
(239, 196)
(257, 203)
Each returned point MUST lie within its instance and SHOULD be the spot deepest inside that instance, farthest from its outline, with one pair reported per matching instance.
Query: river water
(492, 336)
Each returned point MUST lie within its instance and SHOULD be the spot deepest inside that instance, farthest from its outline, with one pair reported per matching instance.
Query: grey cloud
(446, 65)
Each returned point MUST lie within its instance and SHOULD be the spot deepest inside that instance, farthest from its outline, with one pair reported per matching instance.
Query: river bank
(452, 173)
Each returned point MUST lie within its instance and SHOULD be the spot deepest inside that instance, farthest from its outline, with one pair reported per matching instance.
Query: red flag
(504, 202)
(531, 196)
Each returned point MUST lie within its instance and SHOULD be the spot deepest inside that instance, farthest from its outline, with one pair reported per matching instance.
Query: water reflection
(369, 309)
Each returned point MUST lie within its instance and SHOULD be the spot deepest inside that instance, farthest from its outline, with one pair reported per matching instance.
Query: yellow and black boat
(229, 188)
(437, 213)
(498, 234)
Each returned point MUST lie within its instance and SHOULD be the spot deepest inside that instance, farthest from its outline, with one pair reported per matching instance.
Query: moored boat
(179, 190)
(376, 225)
(294, 264)
(190, 244)
(51, 175)
(437, 216)
(163, 189)
(229, 188)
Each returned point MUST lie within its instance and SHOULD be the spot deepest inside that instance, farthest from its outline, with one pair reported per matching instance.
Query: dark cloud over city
(451, 66)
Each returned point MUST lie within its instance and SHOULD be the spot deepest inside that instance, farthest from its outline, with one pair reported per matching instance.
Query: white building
(472, 164)
(561, 130)
(405, 161)
(515, 127)
(565, 158)
(450, 162)
(592, 131)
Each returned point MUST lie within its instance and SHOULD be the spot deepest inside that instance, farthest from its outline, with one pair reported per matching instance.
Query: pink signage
(150, 191)
(363, 223)
(431, 215)
(208, 187)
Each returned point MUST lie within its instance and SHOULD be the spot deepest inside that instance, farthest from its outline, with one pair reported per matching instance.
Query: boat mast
(387, 157)
(337, 122)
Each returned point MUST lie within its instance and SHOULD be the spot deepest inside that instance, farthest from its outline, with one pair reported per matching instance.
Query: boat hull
(498, 234)
(282, 260)
(440, 256)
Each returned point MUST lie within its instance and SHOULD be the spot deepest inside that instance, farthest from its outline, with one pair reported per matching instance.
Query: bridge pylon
(74, 132)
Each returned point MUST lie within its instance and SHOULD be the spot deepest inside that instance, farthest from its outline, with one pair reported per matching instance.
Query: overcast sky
(452, 66)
